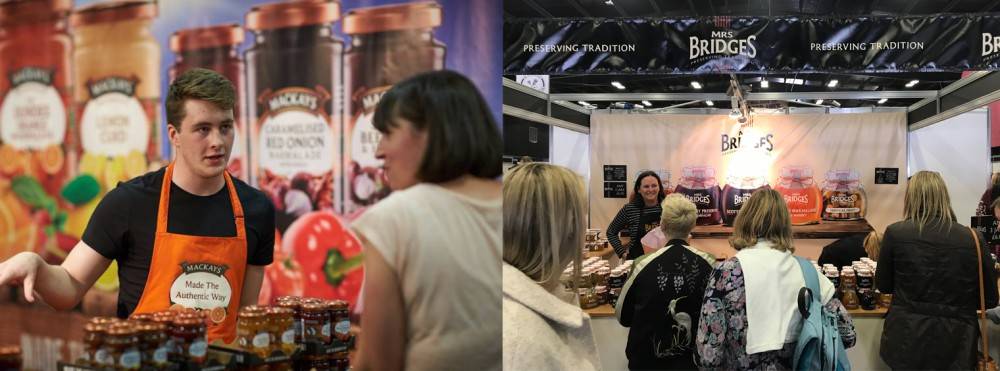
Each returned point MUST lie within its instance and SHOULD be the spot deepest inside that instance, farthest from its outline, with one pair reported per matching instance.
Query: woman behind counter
(928, 262)
(640, 215)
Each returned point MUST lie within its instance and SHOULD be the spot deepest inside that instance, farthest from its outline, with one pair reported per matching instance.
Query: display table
(824, 230)
(611, 338)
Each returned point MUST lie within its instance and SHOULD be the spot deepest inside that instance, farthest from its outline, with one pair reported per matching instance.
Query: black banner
(751, 44)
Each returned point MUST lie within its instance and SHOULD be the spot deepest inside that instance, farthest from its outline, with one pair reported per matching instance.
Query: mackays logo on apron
(197, 272)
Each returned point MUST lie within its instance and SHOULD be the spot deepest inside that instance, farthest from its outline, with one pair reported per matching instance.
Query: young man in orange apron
(187, 235)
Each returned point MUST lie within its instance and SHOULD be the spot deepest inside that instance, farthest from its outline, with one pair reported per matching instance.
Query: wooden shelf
(823, 230)
(605, 310)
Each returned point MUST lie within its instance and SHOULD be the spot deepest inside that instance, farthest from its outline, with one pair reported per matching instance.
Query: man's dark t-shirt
(124, 225)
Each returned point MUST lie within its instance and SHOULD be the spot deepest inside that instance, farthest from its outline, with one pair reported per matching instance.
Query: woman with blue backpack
(931, 266)
(751, 316)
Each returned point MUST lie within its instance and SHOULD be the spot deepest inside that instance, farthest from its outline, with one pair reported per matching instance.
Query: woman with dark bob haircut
(433, 247)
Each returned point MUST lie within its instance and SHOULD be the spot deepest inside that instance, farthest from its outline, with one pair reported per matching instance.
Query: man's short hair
(202, 84)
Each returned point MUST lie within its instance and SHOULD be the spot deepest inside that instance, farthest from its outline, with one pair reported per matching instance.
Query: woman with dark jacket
(928, 262)
(640, 215)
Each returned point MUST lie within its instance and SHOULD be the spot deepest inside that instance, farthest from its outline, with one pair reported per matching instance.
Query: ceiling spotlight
(819, 101)
(583, 103)
(618, 85)
(883, 100)
(734, 114)
(836, 103)
(798, 81)
(764, 84)
(832, 83)
(646, 103)
(912, 83)
(696, 85)
(709, 103)
(609, 2)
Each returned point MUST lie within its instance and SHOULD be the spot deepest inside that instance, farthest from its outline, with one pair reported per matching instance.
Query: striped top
(630, 218)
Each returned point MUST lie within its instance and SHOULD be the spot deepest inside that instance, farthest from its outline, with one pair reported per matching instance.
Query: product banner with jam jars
(823, 165)
(82, 84)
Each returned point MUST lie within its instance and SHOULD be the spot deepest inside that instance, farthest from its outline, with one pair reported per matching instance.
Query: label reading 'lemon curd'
(114, 122)
(32, 114)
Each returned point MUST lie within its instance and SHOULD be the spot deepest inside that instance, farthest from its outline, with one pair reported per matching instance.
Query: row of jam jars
(252, 331)
(188, 333)
(294, 304)
(95, 347)
(122, 342)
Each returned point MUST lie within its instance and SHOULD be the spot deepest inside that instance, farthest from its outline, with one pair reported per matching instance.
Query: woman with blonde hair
(543, 222)
(749, 316)
(928, 262)
(661, 299)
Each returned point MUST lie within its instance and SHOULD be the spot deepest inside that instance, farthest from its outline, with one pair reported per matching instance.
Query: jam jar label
(295, 133)
(160, 355)
(114, 122)
(326, 330)
(288, 337)
(201, 286)
(130, 359)
(32, 115)
(102, 357)
(343, 327)
(366, 180)
(262, 340)
(198, 348)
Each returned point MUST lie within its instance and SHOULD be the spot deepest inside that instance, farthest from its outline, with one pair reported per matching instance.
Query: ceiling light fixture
(696, 85)
(646, 103)
(819, 101)
(912, 83)
(832, 84)
(883, 100)
(618, 85)
(764, 84)
(709, 103)
(609, 2)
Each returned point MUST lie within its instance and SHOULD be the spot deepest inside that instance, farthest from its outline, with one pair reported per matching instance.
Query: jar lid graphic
(292, 14)
(113, 11)
(206, 37)
(27, 11)
(396, 17)
(796, 172)
(698, 172)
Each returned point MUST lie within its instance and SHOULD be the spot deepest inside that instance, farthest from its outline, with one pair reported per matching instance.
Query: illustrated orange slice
(11, 164)
(217, 314)
(50, 159)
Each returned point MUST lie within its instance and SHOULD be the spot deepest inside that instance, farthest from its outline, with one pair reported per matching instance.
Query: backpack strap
(809, 274)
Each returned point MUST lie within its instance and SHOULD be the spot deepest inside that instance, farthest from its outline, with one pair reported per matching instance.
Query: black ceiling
(720, 83)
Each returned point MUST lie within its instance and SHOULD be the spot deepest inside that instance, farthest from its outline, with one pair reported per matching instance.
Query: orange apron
(195, 271)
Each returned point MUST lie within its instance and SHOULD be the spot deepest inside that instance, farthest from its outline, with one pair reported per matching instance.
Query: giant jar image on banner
(214, 48)
(698, 184)
(388, 44)
(797, 187)
(35, 50)
(117, 89)
(737, 192)
(293, 87)
(843, 196)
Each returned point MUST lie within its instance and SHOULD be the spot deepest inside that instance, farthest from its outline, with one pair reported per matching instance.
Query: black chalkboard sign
(615, 173)
(615, 190)
(887, 175)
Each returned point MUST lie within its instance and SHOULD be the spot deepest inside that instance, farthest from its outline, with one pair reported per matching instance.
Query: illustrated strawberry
(329, 254)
